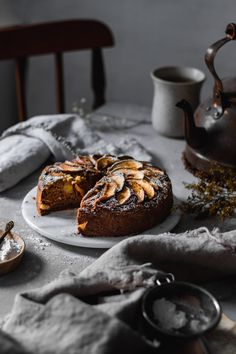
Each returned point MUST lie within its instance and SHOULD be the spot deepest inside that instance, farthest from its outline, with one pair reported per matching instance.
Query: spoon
(8, 228)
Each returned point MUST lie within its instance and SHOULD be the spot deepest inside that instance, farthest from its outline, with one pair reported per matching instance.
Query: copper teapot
(211, 131)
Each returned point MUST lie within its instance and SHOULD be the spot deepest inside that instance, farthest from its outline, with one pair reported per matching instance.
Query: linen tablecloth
(26, 146)
(98, 310)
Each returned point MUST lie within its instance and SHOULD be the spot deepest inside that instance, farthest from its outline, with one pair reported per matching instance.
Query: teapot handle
(218, 96)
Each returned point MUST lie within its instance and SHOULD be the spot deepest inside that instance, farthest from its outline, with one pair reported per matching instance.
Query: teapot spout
(195, 136)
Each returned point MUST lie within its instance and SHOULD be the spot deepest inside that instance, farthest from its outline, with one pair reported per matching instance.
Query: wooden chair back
(21, 42)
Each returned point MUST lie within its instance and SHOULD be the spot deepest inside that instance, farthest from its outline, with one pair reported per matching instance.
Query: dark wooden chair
(20, 42)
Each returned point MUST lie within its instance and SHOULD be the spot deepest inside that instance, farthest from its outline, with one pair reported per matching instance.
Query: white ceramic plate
(60, 226)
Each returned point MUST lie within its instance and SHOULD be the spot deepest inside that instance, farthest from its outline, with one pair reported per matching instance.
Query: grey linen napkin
(80, 313)
(26, 146)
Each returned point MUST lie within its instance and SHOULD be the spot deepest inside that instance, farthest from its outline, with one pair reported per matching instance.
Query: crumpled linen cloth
(81, 313)
(26, 146)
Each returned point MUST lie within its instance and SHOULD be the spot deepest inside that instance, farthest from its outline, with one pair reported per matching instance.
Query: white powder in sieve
(168, 316)
(171, 318)
(9, 248)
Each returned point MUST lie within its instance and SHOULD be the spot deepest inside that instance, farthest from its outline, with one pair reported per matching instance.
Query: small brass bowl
(9, 265)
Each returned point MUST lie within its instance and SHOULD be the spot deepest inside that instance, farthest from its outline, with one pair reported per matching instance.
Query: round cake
(115, 196)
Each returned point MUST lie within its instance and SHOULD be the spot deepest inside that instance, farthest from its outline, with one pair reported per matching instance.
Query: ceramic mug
(172, 84)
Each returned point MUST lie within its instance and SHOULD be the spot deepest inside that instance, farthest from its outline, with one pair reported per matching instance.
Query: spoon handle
(8, 228)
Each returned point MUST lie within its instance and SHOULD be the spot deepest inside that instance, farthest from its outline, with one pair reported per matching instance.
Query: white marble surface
(61, 225)
(45, 259)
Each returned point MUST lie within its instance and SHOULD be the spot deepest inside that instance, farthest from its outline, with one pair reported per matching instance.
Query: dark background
(148, 34)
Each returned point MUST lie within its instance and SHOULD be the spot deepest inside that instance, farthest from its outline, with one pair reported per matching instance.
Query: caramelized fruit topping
(137, 190)
(126, 177)
(132, 164)
(124, 195)
(105, 161)
(130, 173)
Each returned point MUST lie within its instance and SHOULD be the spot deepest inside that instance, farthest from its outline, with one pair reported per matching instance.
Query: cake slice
(63, 185)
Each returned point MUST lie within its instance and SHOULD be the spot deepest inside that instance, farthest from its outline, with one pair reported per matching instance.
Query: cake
(115, 196)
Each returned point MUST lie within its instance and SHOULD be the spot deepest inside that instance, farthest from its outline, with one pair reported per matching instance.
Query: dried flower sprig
(212, 194)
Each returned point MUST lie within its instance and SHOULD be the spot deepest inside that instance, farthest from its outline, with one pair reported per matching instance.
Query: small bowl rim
(18, 237)
(180, 336)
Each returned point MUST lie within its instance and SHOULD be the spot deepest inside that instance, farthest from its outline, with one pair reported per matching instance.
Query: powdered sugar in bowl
(11, 251)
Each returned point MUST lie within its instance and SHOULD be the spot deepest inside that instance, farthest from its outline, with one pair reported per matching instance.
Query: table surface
(45, 259)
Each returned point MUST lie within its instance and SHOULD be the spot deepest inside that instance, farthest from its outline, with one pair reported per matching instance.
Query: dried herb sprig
(212, 194)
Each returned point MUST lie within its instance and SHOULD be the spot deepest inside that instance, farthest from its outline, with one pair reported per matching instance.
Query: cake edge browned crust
(122, 223)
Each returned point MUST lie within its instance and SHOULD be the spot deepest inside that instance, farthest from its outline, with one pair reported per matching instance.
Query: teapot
(210, 132)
